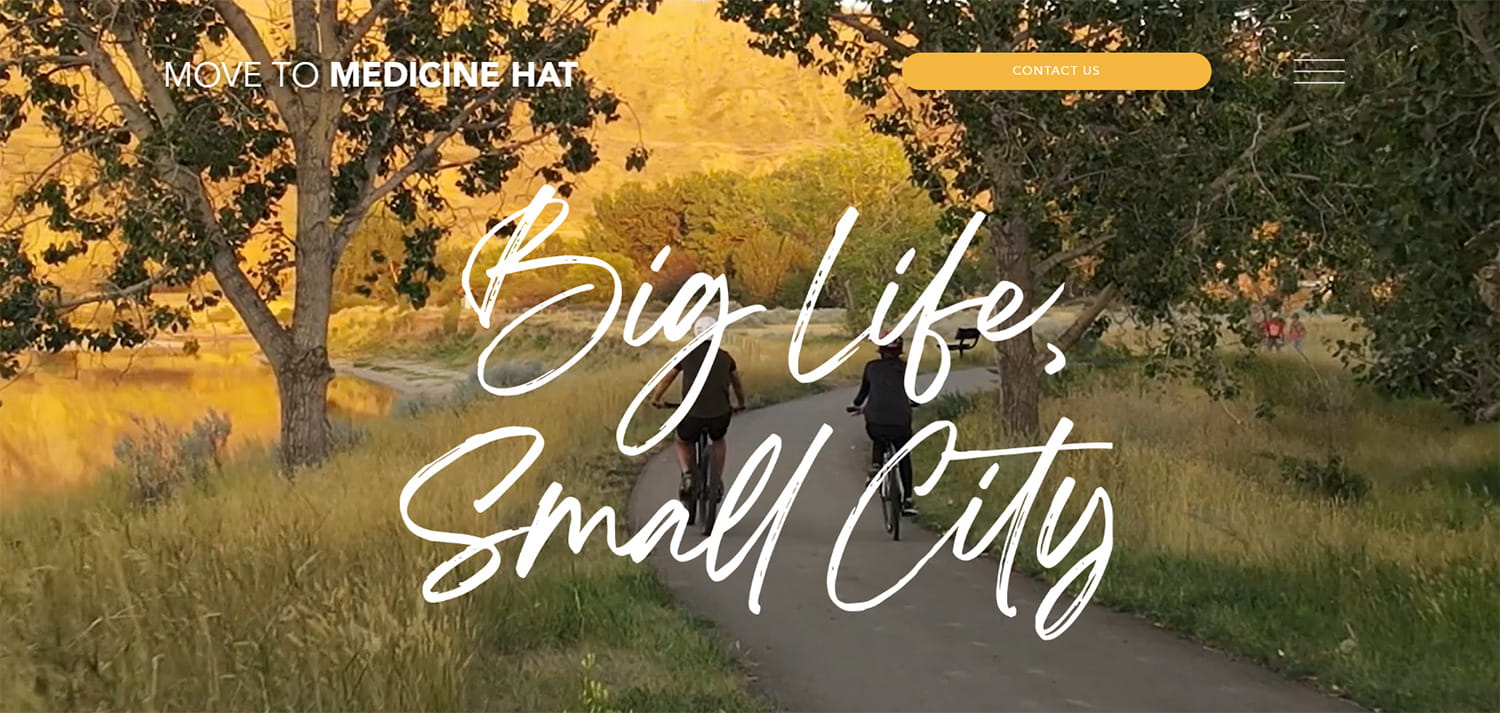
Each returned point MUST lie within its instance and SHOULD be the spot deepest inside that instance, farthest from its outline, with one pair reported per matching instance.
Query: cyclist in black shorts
(713, 409)
(888, 413)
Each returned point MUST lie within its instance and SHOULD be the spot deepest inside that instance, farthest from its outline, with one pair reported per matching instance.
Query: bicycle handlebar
(857, 409)
(675, 404)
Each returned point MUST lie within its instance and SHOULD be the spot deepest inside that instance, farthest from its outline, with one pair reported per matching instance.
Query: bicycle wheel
(690, 500)
(892, 486)
(707, 505)
(885, 492)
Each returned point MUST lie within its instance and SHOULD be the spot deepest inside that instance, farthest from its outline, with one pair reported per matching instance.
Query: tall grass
(1390, 598)
(253, 592)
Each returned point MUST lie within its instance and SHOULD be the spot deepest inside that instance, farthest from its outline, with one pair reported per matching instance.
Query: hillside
(698, 97)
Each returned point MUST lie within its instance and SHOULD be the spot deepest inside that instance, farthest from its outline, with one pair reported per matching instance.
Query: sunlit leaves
(132, 196)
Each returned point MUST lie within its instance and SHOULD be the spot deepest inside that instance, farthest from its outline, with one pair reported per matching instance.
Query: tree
(180, 180)
(804, 199)
(763, 231)
(1415, 224)
(703, 217)
(374, 266)
(1162, 191)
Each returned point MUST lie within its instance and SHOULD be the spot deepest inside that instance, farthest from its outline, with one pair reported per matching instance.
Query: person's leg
(718, 452)
(876, 450)
(906, 474)
(687, 434)
(684, 455)
(899, 437)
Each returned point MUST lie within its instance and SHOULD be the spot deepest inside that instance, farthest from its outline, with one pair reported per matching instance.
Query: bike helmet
(703, 326)
(895, 347)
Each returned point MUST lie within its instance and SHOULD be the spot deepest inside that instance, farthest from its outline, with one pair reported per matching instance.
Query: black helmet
(895, 347)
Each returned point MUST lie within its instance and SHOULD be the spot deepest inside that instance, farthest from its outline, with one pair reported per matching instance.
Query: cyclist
(888, 414)
(711, 412)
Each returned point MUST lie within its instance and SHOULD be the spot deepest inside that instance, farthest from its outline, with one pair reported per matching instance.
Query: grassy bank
(251, 592)
(1374, 574)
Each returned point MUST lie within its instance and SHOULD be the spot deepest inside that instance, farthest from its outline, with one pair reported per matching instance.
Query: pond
(60, 421)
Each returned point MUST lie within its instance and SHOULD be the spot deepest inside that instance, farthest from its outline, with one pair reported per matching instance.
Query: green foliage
(1167, 191)
(377, 267)
(705, 218)
(810, 195)
(175, 182)
(33, 315)
(763, 231)
(1412, 233)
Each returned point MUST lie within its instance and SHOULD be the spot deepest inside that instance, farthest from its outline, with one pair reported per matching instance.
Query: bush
(1329, 478)
(344, 435)
(949, 407)
(159, 460)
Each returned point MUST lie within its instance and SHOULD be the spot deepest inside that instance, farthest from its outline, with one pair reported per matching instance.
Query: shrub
(344, 435)
(159, 460)
(949, 407)
(1329, 478)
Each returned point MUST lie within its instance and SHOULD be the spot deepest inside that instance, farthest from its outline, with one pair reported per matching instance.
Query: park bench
(965, 339)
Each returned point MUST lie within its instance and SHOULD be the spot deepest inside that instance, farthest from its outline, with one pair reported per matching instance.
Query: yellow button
(1056, 70)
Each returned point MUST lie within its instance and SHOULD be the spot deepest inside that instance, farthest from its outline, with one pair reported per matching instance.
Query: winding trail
(940, 644)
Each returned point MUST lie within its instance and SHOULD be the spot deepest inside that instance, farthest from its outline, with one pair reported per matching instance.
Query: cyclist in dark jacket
(888, 411)
(710, 413)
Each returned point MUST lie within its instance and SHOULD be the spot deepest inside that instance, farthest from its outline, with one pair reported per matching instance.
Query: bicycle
(892, 495)
(702, 503)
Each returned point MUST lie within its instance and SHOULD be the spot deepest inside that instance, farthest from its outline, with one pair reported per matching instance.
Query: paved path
(940, 644)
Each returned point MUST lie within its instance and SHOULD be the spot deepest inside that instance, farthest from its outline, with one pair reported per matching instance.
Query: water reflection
(59, 422)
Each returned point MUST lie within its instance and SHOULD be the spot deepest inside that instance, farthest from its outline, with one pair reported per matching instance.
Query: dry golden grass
(258, 593)
(1186, 477)
(1390, 599)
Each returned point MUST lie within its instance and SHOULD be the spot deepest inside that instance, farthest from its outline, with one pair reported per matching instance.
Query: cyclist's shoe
(869, 476)
(685, 488)
(909, 509)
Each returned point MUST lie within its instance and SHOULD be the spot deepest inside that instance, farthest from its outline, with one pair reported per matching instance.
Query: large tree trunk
(1020, 379)
(302, 384)
(303, 377)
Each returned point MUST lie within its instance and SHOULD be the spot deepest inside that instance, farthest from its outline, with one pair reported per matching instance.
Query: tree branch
(152, 83)
(328, 21)
(361, 27)
(189, 187)
(1048, 264)
(1081, 323)
(871, 33)
(60, 60)
(1262, 135)
(244, 30)
(1472, 26)
(66, 306)
(135, 117)
(305, 27)
(428, 152)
